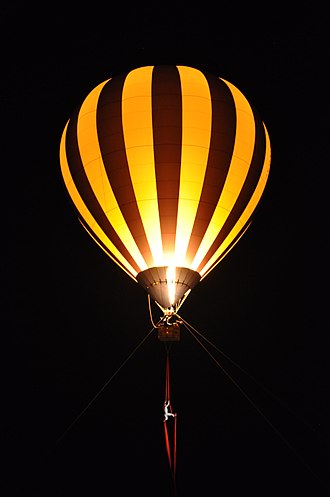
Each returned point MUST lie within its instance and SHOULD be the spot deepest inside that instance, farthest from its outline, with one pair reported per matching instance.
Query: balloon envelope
(165, 166)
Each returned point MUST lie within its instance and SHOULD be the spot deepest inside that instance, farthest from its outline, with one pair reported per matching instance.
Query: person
(167, 413)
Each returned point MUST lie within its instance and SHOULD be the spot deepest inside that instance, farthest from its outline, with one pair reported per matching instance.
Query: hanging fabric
(170, 417)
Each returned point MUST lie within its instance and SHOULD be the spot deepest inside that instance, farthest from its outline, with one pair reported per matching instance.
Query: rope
(103, 387)
(150, 313)
(167, 380)
(286, 442)
(174, 451)
(258, 383)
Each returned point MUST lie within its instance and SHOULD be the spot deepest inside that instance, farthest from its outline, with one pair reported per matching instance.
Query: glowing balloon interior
(165, 166)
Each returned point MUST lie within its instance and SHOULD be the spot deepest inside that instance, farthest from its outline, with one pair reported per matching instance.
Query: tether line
(257, 382)
(284, 440)
(103, 387)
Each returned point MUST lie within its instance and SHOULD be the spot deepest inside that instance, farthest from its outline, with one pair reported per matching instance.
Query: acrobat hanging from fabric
(167, 412)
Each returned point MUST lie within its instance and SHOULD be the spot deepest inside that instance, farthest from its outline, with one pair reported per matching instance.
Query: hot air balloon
(165, 166)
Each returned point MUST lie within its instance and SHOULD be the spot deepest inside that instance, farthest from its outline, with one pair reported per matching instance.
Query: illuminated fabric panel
(242, 177)
(137, 124)
(97, 224)
(165, 166)
(196, 137)
(167, 137)
(244, 221)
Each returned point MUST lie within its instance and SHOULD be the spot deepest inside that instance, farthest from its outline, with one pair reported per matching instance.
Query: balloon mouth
(168, 285)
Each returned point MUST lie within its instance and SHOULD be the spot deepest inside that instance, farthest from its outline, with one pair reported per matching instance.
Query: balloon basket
(168, 332)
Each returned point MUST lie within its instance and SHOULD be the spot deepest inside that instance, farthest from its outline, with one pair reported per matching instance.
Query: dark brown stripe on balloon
(112, 146)
(246, 192)
(104, 247)
(230, 246)
(221, 148)
(83, 186)
(167, 137)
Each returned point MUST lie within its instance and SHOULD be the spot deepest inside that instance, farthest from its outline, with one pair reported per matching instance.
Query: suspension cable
(257, 382)
(188, 327)
(150, 313)
(104, 386)
(260, 412)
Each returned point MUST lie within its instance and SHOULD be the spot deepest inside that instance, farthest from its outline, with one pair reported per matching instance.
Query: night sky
(71, 317)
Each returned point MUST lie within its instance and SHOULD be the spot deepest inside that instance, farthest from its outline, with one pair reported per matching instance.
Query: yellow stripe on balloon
(247, 211)
(238, 170)
(196, 136)
(85, 213)
(91, 158)
(138, 136)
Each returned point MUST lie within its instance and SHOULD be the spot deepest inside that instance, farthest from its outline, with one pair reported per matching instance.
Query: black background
(71, 317)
